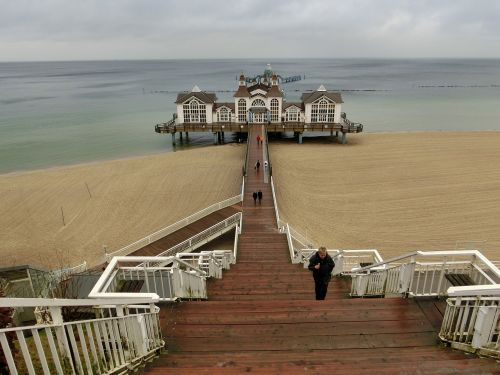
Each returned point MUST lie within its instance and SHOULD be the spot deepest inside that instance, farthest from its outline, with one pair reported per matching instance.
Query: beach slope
(395, 192)
(63, 216)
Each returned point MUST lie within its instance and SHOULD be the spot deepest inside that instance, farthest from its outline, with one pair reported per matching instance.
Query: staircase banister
(390, 260)
(61, 302)
(435, 253)
(474, 290)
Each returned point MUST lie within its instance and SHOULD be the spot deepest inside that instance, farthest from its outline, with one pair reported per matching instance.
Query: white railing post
(62, 340)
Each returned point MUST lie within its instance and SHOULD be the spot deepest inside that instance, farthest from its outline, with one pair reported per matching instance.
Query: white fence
(413, 275)
(94, 346)
(473, 324)
(165, 278)
(174, 227)
(203, 237)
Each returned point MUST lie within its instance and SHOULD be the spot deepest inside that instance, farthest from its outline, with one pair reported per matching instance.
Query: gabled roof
(310, 97)
(205, 97)
(298, 105)
(275, 92)
(258, 86)
(228, 105)
(242, 92)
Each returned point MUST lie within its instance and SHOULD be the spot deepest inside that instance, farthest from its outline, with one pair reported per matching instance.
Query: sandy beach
(125, 201)
(395, 192)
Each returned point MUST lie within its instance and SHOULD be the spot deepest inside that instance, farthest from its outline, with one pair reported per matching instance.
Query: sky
(45, 30)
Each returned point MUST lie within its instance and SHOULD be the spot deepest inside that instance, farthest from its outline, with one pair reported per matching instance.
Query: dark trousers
(321, 288)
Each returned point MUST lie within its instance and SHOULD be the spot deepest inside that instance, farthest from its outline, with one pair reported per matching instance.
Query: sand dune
(125, 200)
(393, 192)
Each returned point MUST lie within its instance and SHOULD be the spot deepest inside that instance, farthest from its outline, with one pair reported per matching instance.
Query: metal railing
(139, 244)
(279, 224)
(93, 346)
(411, 274)
(473, 324)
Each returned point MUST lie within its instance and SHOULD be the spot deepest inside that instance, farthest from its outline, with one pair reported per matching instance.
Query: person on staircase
(257, 166)
(321, 264)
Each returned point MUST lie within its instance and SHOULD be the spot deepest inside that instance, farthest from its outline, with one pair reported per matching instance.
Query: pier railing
(139, 244)
(103, 345)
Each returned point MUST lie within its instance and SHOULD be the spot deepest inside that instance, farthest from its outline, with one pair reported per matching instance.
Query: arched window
(223, 115)
(275, 107)
(292, 114)
(242, 110)
(323, 111)
(194, 111)
(258, 103)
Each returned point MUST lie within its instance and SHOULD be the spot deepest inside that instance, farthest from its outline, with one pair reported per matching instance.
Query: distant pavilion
(259, 103)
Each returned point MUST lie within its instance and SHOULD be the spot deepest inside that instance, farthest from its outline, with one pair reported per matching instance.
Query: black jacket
(324, 273)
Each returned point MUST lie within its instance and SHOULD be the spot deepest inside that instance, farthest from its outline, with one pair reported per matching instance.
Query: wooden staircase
(261, 317)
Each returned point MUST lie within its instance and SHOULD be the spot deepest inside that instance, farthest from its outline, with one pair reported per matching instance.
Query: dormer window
(194, 111)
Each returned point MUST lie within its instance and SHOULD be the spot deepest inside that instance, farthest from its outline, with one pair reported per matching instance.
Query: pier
(259, 101)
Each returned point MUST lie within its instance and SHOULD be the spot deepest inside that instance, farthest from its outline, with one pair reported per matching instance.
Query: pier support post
(180, 136)
(216, 140)
(331, 133)
(337, 133)
(300, 138)
(187, 136)
(344, 138)
(222, 137)
(173, 139)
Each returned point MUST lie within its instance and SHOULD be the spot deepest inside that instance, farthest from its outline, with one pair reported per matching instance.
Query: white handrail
(197, 239)
(276, 212)
(419, 278)
(98, 346)
(290, 245)
(50, 302)
(471, 324)
(174, 227)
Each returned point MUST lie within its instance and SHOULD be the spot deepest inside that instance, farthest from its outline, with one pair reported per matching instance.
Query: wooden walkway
(188, 231)
(262, 318)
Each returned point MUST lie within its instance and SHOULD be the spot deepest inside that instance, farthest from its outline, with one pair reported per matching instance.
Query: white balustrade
(92, 346)
(174, 227)
(473, 324)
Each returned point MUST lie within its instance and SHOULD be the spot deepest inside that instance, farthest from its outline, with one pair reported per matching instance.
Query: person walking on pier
(257, 166)
(258, 140)
(259, 195)
(254, 195)
(321, 264)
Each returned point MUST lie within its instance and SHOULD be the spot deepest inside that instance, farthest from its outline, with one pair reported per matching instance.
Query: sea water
(62, 113)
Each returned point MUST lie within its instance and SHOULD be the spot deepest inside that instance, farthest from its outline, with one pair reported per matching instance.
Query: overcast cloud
(168, 29)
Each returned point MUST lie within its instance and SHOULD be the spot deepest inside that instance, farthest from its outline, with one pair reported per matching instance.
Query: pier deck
(280, 127)
(261, 317)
